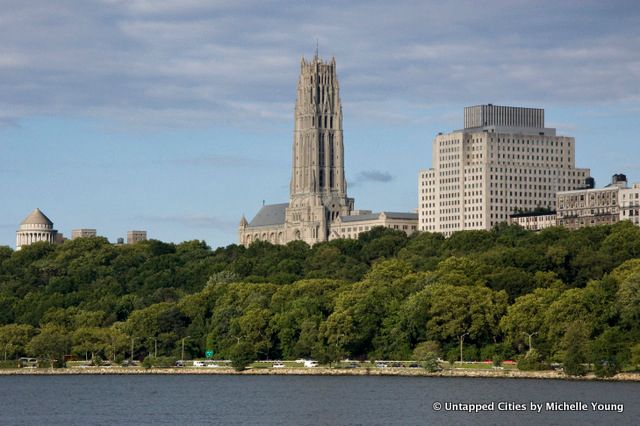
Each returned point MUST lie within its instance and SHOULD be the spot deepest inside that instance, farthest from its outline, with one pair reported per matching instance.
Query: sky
(176, 116)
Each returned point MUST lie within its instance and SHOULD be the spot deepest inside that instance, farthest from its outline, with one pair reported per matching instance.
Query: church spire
(318, 153)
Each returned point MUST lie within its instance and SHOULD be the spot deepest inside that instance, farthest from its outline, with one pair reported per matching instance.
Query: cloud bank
(192, 62)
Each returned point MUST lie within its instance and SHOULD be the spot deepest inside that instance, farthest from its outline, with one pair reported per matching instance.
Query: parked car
(310, 364)
(278, 364)
(198, 363)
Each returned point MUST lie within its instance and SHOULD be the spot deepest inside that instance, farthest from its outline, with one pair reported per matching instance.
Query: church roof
(270, 214)
(36, 217)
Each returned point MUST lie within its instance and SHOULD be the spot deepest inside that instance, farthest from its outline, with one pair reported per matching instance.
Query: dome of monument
(36, 217)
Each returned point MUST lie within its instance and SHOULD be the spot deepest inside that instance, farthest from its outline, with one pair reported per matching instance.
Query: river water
(310, 400)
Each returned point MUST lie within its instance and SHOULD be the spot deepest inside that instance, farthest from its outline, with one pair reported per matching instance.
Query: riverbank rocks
(516, 374)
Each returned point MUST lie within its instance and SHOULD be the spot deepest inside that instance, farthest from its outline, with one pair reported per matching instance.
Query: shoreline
(399, 372)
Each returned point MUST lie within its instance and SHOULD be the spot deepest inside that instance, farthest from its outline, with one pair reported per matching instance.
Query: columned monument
(34, 228)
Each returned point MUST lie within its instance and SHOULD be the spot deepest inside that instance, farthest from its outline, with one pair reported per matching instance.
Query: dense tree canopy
(384, 295)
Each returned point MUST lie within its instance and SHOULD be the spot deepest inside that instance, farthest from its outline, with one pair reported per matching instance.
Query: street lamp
(183, 339)
(461, 338)
(132, 340)
(530, 335)
(155, 342)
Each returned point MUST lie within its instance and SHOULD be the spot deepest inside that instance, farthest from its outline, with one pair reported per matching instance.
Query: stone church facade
(318, 188)
(318, 203)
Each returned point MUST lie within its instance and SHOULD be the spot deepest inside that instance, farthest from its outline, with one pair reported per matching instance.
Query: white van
(310, 364)
(198, 363)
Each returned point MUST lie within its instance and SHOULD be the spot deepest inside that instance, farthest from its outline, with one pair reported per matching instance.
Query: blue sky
(176, 116)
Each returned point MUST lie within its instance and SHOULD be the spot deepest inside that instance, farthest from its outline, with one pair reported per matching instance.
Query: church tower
(318, 189)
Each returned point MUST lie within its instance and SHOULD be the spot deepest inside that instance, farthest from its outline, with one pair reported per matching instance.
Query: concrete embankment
(409, 372)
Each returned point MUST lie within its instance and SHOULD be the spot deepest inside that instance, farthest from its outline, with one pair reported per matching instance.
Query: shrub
(531, 361)
(159, 362)
(427, 353)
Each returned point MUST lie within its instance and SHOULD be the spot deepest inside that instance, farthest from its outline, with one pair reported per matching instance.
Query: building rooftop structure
(506, 119)
(34, 228)
(36, 217)
(270, 214)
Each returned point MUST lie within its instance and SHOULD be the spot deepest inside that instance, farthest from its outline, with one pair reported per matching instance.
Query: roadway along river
(314, 400)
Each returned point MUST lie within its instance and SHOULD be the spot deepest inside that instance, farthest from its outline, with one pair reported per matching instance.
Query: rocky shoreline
(404, 372)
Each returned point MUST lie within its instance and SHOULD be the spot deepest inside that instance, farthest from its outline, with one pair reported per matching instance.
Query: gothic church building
(318, 188)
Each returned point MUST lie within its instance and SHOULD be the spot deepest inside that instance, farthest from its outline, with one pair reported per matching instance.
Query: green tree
(14, 338)
(361, 310)
(628, 301)
(52, 343)
(526, 316)
(90, 340)
(455, 312)
(610, 352)
(634, 356)
(593, 306)
(575, 344)
(117, 341)
(242, 355)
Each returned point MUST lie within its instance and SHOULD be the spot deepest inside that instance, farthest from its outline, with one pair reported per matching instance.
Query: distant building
(318, 188)
(83, 233)
(136, 236)
(353, 225)
(120, 241)
(35, 228)
(534, 221)
(629, 201)
(608, 205)
(504, 160)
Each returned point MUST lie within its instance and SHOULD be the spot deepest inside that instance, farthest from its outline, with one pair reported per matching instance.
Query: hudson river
(312, 400)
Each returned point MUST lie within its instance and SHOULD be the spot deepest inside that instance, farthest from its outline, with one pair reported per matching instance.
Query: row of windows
(367, 228)
(579, 173)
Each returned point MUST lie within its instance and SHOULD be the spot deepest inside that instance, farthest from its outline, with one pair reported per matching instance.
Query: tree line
(551, 296)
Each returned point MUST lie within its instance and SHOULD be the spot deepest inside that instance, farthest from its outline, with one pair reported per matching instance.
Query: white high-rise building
(504, 161)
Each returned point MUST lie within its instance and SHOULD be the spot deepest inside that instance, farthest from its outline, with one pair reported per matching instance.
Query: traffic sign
(209, 354)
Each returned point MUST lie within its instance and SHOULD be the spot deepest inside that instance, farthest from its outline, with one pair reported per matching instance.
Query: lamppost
(5, 350)
(132, 340)
(461, 338)
(530, 335)
(183, 339)
(155, 342)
